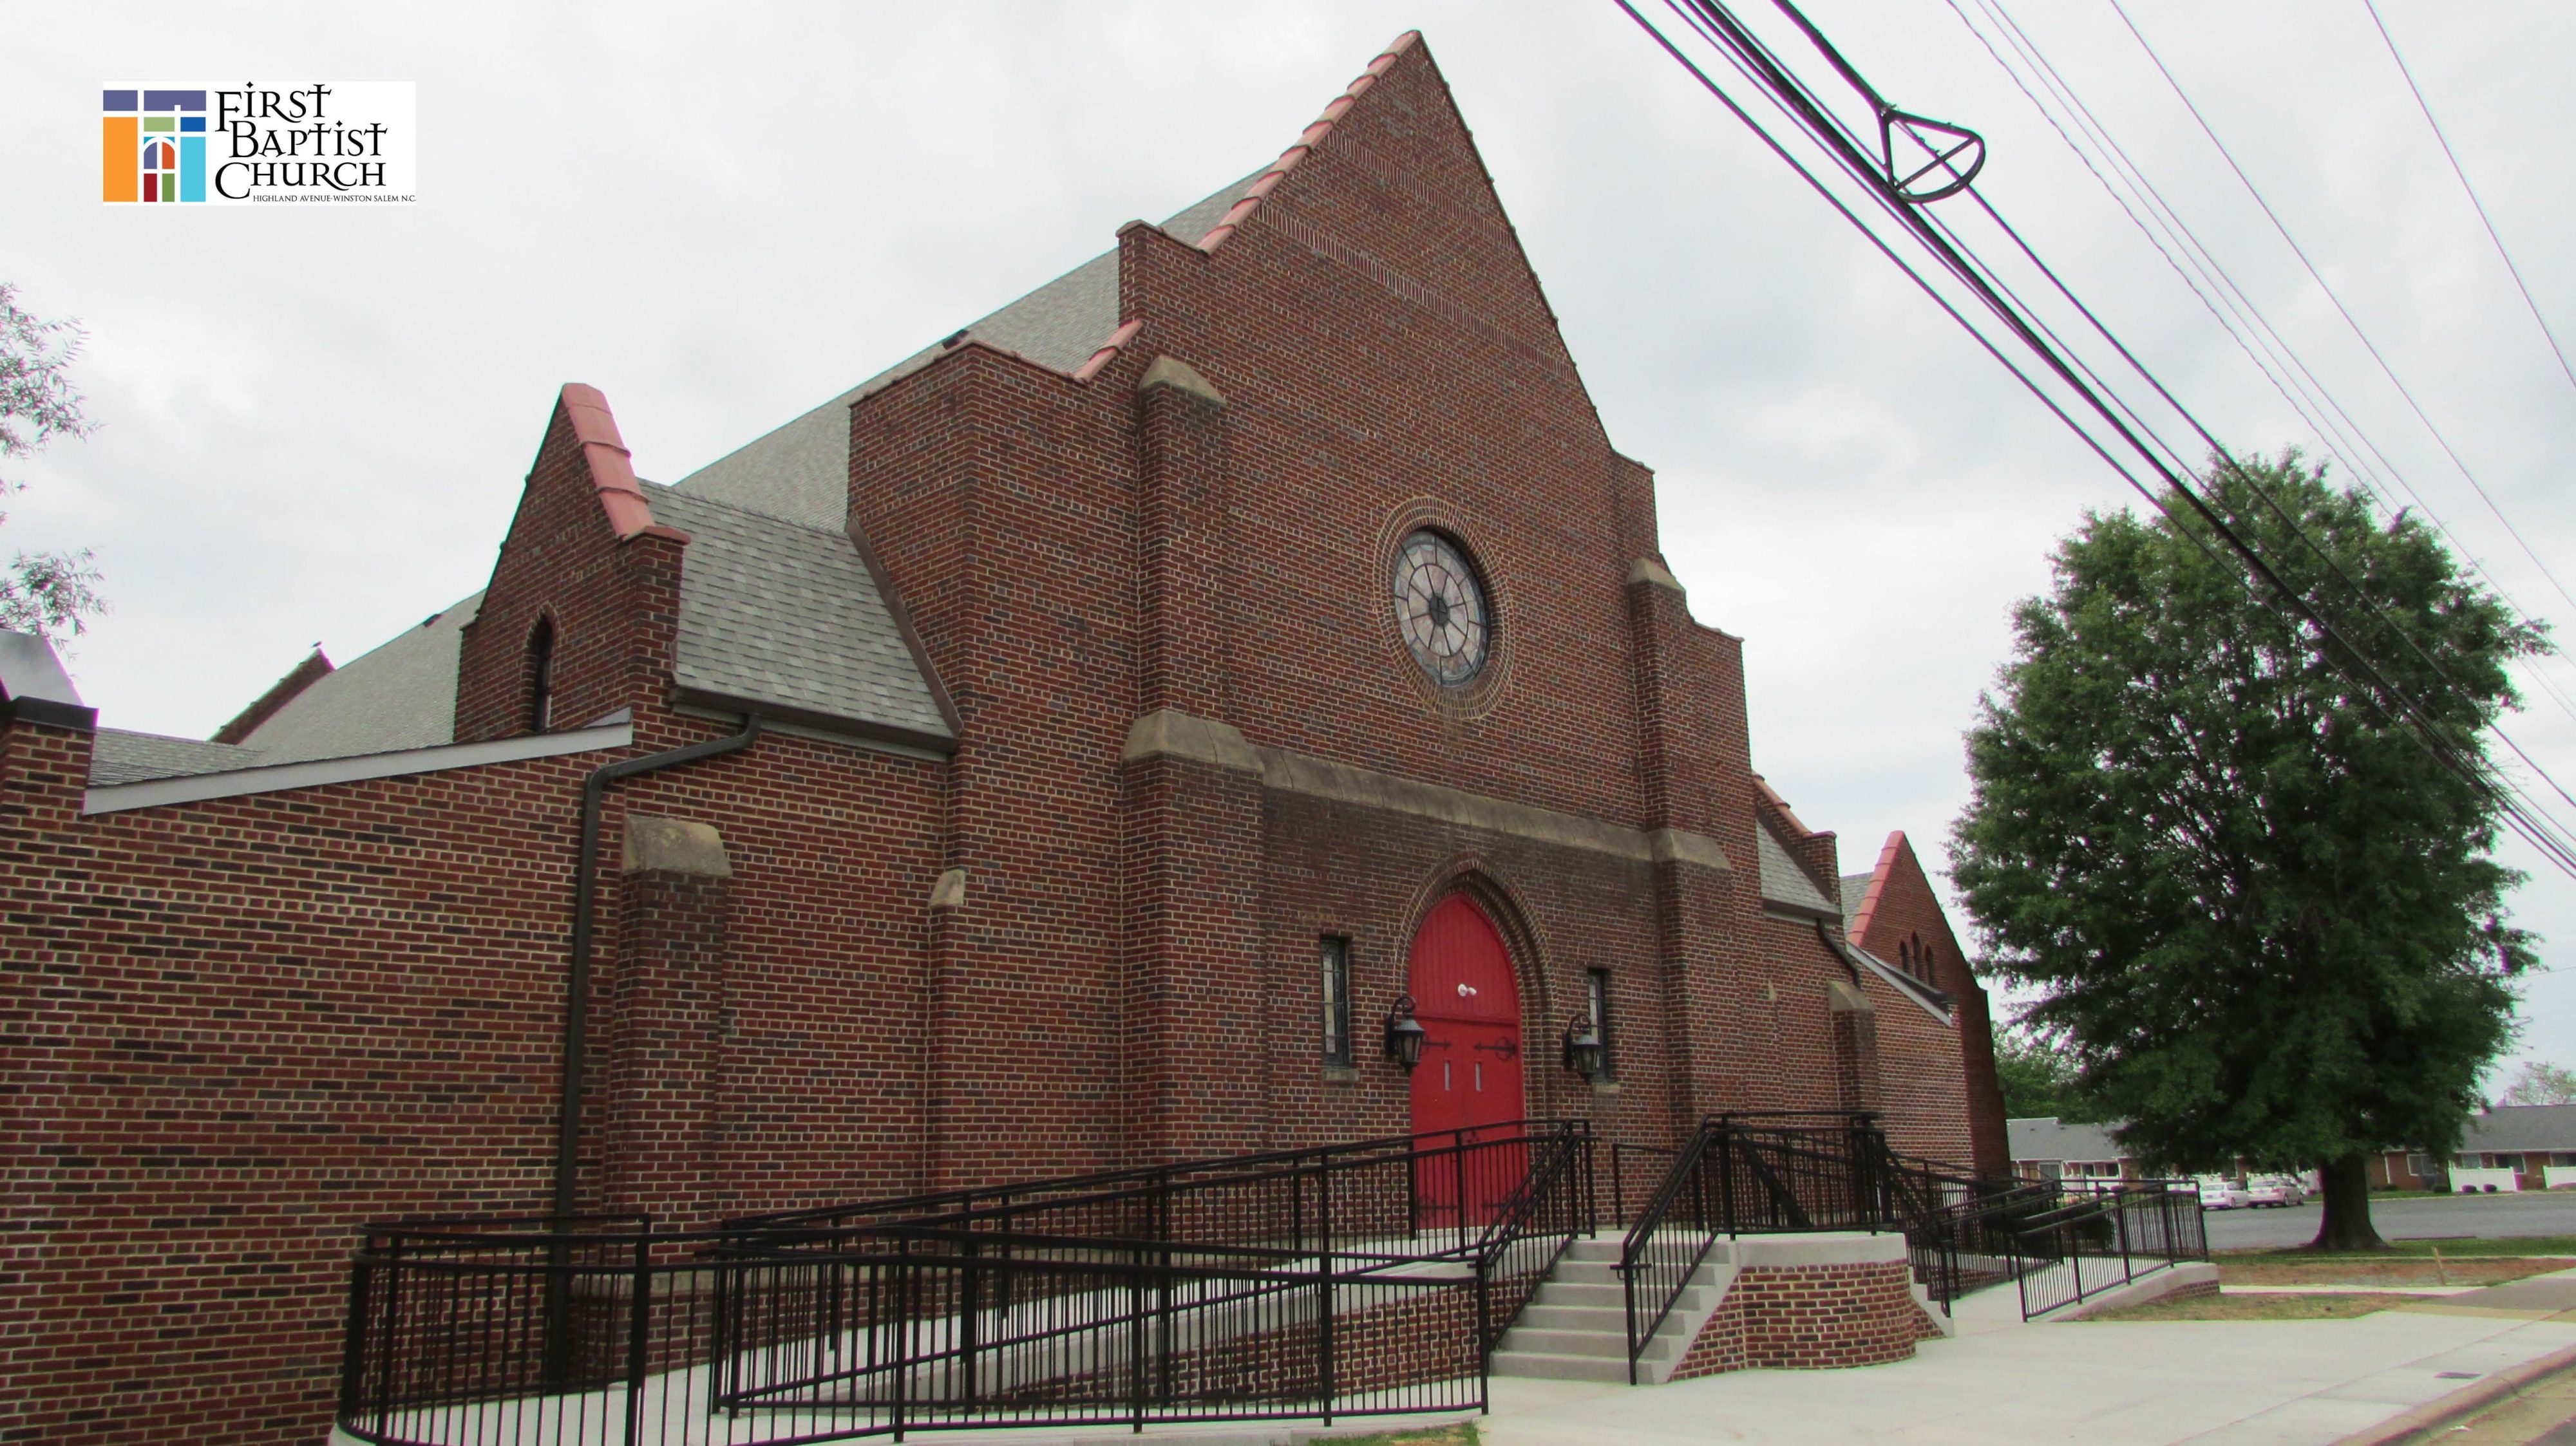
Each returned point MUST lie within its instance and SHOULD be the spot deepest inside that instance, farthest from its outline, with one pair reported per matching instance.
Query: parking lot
(2532, 1212)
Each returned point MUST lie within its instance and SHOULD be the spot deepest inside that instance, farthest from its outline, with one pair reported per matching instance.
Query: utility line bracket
(1940, 140)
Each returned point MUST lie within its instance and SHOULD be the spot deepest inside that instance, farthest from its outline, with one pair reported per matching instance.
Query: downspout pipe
(577, 977)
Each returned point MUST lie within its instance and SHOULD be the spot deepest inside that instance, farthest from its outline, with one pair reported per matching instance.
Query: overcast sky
(316, 419)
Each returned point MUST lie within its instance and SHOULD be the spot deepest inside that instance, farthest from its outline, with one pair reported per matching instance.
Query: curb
(2421, 1422)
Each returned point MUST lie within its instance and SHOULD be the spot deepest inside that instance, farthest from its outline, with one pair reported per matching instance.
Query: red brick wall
(670, 1007)
(999, 497)
(238, 1028)
(1385, 1340)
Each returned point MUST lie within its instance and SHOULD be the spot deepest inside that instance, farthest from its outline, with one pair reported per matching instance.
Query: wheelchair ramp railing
(1354, 1280)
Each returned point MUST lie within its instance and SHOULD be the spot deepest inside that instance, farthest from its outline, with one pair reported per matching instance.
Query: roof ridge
(1771, 796)
(1877, 885)
(1306, 142)
(195, 742)
(315, 667)
(612, 467)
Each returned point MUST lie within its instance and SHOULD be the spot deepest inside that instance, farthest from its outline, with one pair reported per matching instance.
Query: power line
(2162, 215)
(2475, 200)
(1786, 92)
(2344, 311)
(2095, 129)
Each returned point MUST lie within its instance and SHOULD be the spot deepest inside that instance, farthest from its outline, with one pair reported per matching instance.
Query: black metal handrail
(1750, 1171)
(1787, 1171)
(2068, 1252)
(1344, 1280)
(1649, 1254)
(990, 1200)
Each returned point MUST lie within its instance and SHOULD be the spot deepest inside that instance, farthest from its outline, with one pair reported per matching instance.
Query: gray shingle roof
(1784, 882)
(776, 606)
(785, 617)
(122, 757)
(1855, 892)
(399, 696)
(801, 471)
(2049, 1138)
(2523, 1127)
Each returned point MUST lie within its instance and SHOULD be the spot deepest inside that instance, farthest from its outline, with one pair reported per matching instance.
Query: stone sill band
(1170, 733)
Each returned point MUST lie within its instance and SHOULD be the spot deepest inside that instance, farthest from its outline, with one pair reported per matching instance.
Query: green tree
(2541, 1084)
(2039, 1077)
(41, 592)
(2261, 913)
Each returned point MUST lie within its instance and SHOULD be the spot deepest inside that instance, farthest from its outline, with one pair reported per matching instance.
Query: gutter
(577, 976)
(1935, 1002)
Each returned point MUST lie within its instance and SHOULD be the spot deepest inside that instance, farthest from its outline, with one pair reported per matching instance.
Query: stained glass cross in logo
(152, 145)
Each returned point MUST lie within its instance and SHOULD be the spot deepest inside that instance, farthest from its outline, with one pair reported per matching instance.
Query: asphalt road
(2531, 1212)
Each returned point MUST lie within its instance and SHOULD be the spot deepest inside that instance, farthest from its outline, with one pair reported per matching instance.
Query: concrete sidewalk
(2283, 1383)
(2102, 1384)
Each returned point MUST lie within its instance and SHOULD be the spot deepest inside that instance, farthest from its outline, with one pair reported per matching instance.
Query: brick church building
(1112, 715)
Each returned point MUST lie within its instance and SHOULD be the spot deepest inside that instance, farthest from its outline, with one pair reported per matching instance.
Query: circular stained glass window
(1440, 608)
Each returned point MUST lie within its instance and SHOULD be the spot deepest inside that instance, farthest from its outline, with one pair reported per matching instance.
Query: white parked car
(2273, 1190)
(2222, 1194)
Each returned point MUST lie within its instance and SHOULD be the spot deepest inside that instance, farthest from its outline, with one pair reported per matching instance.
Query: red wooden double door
(1468, 1003)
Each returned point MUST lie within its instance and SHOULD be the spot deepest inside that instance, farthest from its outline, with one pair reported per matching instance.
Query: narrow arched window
(541, 675)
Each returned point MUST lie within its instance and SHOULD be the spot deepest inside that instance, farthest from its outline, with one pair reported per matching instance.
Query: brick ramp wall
(1816, 1302)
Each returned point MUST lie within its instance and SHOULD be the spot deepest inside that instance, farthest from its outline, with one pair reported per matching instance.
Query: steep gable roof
(801, 471)
(399, 695)
(1389, 182)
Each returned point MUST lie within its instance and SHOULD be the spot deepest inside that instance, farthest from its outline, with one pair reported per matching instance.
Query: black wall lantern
(1582, 1048)
(1403, 1034)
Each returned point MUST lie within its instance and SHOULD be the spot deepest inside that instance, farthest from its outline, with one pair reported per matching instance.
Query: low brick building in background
(1125, 702)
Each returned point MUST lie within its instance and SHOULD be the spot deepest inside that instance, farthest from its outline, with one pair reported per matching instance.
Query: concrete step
(1615, 1298)
(1612, 1370)
(1596, 1251)
(1521, 1339)
(1585, 1272)
(1666, 1344)
(1575, 1318)
(1559, 1292)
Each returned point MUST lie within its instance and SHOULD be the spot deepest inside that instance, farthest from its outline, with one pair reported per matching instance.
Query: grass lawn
(2260, 1307)
(2453, 1249)
(2420, 1249)
(1461, 1434)
(2301, 1268)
